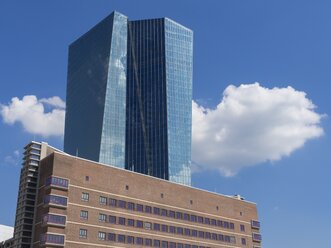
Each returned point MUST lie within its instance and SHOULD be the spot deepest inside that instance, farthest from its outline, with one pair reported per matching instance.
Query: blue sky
(276, 43)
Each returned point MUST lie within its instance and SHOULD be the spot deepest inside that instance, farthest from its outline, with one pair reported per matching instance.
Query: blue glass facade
(129, 96)
(96, 93)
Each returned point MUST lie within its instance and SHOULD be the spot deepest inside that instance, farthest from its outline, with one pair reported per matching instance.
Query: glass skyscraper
(129, 96)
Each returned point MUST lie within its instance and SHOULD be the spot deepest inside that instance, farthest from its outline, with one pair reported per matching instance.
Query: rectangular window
(179, 245)
(121, 221)
(148, 225)
(55, 200)
(102, 217)
(57, 182)
(172, 245)
(111, 236)
(201, 234)
(231, 225)
(156, 227)
(193, 218)
(49, 219)
(148, 209)
(130, 240)
(232, 239)
(130, 222)
(112, 202)
(187, 246)
(83, 215)
(255, 224)
(51, 239)
(102, 236)
(243, 241)
(194, 233)
(122, 204)
(207, 221)
(85, 196)
(179, 230)
(200, 219)
(83, 233)
(220, 237)
(156, 211)
(214, 236)
(172, 229)
(242, 228)
(148, 242)
(207, 235)
(103, 200)
(164, 244)
(172, 214)
(186, 216)
(139, 241)
(156, 243)
(130, 205)
(226, 224)
(164, 212)
(213, 222)
(121, 238)
(257, 237)
(112, 219)
(179, 215)
(140, 208)
(187, 232)
(164, 228)
(139, 224)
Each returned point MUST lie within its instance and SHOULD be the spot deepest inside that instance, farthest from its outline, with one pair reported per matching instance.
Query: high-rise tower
(129, 96)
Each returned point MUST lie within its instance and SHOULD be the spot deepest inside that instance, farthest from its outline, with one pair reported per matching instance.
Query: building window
(232, 239)
(201, 234)
(186, 216)
(200, 219)
(87, 178)
(187, 232)
(172, 229)
(85, 196)
(148, 225)
(55, 200)
(164, 244)
(140, 208)
(179, 245)
(102, 217)
(179, 215)
(191, 202)
(103, 200)
(130, 222)
(121, 221)
(53, 219)
(164, 212)
(57, 182)
(130, 240)
(122, 204)
(127, 187)
(148, 242)
(243, 241)
(179, 230)
(172, 245)
(112, 202)
(194, 233)
(257, 237)
(217, 208)
(171, 214)
(83, 233)
(193, 218)
(162, 195)
(255, 224)
(156, 211)
(51, 239)
(130, 205)
(148, 209)
(84, 215)
(207, 221)
(164, 228)
(242, 228)
(139, 241)
(156, 243)
(213, 222)
(111, 236)
(214, 236)
(112, 219)
(139, 224)
(231, 225)
(220, 237)
(121, 238)
(156, 227)
(207, 235)
(102, 236)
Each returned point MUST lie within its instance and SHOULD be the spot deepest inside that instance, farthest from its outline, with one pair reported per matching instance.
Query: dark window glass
(213, 222)
(172, 245)
(112, 202)
(55, 219)
(156, 227)
(242, 228)
(112, 219)
(83, 233)
(164, 244)
(121, 220)
(111, 236)
(243, 241)
(139, 224)
(172, 229)
(102, 236)
(226, 224)
(130, 222)
(172, 214)
(179, 215)
(207, 221)
(130, 205)
(156, 211)
(186, 216)
(102, 217)
(56, 200)
(148, 209)
(130, 240)
(103, 200)
(193, 218)
(140, 208)
(139, 241)
(200, 219)
(85, 196)
(207, 235)
(231, 225)
(180, 245)
(201, 234)
(187, 246)
(148, 242)
(121, 238)
(179, 230)
(57, 181)
(156, 243)
(194, 233)
(164, 228)
(164, 212)
(214, 236)
(220, 237)
(122, 204)
(148, 225)
(187, 232)
(84, 215)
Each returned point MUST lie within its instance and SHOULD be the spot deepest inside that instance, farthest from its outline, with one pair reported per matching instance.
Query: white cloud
(6, 232)
(30, 112)
(13, 159)
(251, 125)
